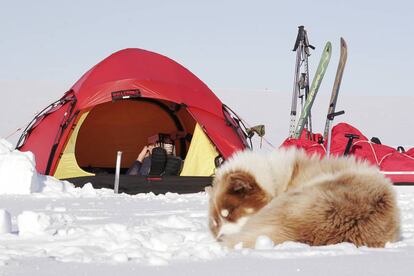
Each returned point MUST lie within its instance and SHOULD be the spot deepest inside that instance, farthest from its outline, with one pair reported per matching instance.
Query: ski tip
(328, 47)
(343, 42)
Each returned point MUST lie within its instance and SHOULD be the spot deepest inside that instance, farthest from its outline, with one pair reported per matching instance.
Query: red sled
(398, 165)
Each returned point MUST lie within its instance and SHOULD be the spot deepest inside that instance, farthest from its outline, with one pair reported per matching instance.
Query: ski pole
(117, 171)
(301, 80)
(295, 94)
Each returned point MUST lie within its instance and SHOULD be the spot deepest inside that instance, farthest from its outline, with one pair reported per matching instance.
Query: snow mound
(36, 224)
(264, 242)
(5, 222)
(18, 176)
(18, 173)
(52, 186)
(33, 223)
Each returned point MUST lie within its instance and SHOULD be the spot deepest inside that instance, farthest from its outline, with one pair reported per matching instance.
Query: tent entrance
(125, 126)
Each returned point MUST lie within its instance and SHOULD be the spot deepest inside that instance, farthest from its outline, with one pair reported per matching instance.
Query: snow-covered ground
(48, 227)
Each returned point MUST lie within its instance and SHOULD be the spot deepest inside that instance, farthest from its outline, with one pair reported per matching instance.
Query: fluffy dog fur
(289, 196)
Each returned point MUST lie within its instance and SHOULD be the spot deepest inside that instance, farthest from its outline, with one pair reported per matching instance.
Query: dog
(288, 195)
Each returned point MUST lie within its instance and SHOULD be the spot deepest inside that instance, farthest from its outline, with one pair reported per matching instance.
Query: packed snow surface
(53, 228)
(155, 233)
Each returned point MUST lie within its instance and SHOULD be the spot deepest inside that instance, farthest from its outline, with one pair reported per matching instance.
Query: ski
(320, 72)
(301, 79)
(336, 86)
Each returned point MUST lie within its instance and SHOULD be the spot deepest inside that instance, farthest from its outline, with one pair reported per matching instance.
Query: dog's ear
(295, 172)
(241, 182)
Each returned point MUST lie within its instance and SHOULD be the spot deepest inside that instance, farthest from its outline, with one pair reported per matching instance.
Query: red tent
(130, 95)
(398, 166)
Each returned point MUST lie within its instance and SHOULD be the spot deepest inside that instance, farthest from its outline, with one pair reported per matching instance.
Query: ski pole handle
(300, 37)
(331, 116)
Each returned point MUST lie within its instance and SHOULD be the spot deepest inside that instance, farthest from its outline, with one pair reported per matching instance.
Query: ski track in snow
(149, 231)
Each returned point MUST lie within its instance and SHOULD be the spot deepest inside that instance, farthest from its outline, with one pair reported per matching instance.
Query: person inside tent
(142, 164)
(154, 157)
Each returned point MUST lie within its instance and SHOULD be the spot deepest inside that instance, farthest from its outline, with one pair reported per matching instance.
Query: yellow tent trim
(200, 157)
(68, 166)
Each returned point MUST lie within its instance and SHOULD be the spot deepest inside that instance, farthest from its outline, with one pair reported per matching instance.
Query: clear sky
(228, 44)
